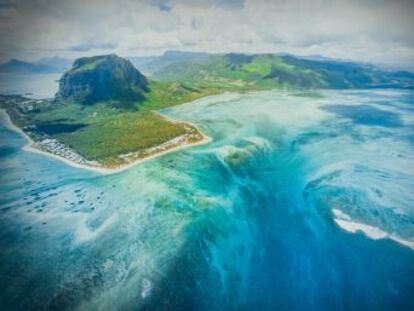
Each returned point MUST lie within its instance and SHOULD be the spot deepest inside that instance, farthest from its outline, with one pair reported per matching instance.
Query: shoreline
(30, 146)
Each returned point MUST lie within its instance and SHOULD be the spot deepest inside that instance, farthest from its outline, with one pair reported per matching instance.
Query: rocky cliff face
(102, 78)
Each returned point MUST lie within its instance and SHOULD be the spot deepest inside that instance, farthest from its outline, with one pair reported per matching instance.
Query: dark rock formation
(102, 78)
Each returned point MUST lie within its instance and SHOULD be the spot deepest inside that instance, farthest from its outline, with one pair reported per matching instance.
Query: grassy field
(167, 94)
(104, 131)
(123, 133)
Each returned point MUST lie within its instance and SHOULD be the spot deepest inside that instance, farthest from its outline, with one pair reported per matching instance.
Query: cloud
(84, 47)
(226, 4)
(165, 7)
(377, 31)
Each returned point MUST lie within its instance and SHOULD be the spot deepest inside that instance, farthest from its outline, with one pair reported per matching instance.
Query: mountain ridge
(272, 70)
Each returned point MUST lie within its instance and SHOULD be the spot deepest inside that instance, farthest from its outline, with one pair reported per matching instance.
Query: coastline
(30, 146)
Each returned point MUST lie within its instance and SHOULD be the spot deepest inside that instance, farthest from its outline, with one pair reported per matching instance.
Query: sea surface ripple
(300, 202)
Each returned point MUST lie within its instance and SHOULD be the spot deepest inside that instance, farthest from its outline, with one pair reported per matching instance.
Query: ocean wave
(344, 221)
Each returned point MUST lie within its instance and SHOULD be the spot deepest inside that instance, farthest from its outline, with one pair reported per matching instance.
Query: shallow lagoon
(297, 203)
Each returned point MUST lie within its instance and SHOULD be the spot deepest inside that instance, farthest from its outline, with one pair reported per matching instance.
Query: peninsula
(105, 114)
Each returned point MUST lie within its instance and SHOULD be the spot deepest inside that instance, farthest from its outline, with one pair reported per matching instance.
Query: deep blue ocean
(299, 202)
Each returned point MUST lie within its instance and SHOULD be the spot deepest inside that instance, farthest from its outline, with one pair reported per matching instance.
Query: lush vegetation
(241, 72)
(104, 129)
(164, 94)
(107, 138)
(263, 71)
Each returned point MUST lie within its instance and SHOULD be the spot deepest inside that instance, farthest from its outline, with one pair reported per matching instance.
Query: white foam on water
(276, 106)
(344, 221)
(146, 288)
(341, 215)
(227, 150)
(258, 141)
(84, 234)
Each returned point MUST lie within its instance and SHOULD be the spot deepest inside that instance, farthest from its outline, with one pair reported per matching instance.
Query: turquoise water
(297, 204)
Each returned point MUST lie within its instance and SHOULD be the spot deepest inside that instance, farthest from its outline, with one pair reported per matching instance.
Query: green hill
(241, 72)
(261, 71)
(350, 75)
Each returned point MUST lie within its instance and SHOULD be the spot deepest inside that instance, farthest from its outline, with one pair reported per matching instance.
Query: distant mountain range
(265, 70)
(147, 64)
(287, 71)
(44, 65)
(150, 64)
(345, 74)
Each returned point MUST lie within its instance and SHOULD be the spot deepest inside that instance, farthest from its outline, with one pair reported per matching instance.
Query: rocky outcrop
(102, 78)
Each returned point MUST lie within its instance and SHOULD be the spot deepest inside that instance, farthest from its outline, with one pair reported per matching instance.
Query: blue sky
(378, 31)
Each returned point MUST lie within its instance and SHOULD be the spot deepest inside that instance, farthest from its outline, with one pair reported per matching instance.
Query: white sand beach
(31, 146)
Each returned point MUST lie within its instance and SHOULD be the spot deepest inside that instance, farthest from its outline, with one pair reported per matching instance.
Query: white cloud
(377, 31)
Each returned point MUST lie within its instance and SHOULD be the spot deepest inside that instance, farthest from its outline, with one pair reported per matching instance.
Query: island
(105, 115)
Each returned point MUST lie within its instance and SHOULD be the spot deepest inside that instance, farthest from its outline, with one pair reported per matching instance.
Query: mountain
(179, 56)
(102, 78)
(143, 63)
(240, 71)
(343, 74)
(150, 64)
(57, 64)
(44, 65)
(269, 70)
(250, 71)
(18, 66)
